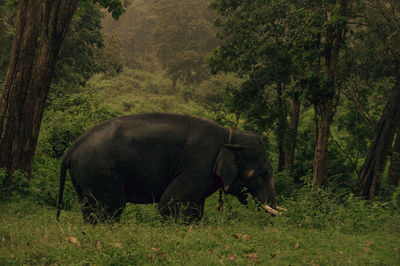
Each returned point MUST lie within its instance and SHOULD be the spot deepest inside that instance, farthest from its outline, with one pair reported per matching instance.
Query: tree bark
(153, 58)
(292, 134)
(394, 169)
(281, 130)
(320, 170)
(374, 165)
(24, 95)
(15, 86)
(335, 38)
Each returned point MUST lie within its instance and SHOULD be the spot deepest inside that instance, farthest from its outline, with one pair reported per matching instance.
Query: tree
(382, 21)
(184, 36)
(329, 37)
(29, 76)
(393, 177)
(136, 31)
(259, 42)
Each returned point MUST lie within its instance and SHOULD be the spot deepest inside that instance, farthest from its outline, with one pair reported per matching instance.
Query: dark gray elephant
(175, 160)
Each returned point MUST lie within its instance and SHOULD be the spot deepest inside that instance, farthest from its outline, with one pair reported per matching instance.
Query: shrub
(19, 188)
(67, 119)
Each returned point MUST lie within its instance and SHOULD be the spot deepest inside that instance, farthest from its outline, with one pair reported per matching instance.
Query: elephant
(174, 160)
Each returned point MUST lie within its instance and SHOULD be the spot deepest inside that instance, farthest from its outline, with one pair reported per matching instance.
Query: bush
(19, 188)
(66, 119)
(396, 198)
(327, 209)
(45, 183)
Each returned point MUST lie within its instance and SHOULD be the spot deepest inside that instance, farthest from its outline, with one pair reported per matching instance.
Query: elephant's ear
(226, 164)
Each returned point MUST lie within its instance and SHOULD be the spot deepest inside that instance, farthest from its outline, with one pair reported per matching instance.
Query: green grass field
(352, 232)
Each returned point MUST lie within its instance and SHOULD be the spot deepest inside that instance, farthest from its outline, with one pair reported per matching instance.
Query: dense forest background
(318, 80)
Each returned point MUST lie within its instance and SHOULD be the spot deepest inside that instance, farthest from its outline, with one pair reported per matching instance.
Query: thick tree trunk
(282, 128)
(394, 169)
(292, 134)
(19, 136)
(12, 151)
(371, 172)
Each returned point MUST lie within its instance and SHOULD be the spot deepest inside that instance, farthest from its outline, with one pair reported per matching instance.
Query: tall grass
(319, 228)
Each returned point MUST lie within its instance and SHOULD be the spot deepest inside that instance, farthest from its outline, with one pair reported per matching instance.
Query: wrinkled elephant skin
(176, 161)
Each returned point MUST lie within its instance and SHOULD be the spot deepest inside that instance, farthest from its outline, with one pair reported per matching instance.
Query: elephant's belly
(142, 199)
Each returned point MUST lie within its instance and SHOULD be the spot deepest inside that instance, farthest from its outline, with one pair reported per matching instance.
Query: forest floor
(29, 234)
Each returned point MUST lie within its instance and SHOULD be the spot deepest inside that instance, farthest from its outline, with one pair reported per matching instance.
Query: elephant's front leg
(183, 200)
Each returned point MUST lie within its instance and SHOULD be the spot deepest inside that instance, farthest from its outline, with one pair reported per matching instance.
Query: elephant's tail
(63, 173)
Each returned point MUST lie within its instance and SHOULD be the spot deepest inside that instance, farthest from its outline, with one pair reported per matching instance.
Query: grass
(237, 236)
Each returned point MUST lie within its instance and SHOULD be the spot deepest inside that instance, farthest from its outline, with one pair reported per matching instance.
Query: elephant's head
(247, 166)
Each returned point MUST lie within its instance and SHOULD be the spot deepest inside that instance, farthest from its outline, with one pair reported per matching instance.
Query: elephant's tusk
(269, 209)
(281, 209)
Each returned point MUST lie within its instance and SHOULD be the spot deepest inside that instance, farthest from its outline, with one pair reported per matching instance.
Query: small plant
(396, 198)
(18, 188)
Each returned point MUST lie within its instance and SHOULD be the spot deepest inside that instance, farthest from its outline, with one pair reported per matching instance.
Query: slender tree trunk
(145, 51)
(371, 172)
(153, 58)
(320, 172)
(394, 169)
(316, 126)
(281, 130)
(29, 92)
(292, 134)
(174, 82)
(335, 38)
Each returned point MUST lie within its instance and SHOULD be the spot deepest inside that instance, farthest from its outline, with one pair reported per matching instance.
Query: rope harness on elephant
(221, 202)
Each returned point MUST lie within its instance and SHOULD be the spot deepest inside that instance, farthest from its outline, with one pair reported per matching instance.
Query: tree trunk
(24, 95)
(281, 130)
(371, 172)
(335, 38)
(320, 171)
(153, 58)
(292, 134)
(144, 56)
(394, 169)
(12, 152)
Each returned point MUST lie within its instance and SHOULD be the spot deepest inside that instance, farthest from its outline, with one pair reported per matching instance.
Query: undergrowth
(320, 227)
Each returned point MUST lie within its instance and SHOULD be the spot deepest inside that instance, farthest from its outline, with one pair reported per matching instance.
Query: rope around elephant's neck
(221, 201)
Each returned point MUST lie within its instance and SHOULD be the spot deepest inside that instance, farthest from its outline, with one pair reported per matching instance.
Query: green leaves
(185, 37)
(115, 7)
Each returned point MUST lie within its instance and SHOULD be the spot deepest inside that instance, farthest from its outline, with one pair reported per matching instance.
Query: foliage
(18, 189)
(110, 59)
(67, 118)
(136, 91)
(7, 31)
(184, 34)
(135, 29)
(396, 198)
(76, 61)
(216, 94)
